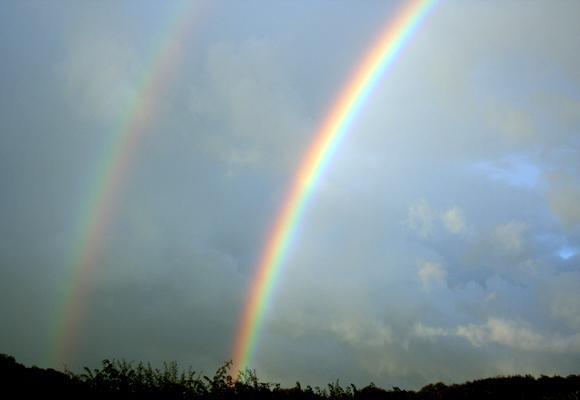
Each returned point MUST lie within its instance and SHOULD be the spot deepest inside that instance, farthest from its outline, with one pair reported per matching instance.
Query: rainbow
(106, 189)
(326, 141)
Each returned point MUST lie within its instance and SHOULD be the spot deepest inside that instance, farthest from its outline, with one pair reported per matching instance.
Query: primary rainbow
(106, 186)
(324, 145)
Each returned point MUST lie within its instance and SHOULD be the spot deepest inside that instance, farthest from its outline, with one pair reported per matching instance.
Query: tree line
(119, 379)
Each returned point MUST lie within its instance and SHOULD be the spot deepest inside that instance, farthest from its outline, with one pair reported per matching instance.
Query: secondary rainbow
(106, 187)
(383, 53)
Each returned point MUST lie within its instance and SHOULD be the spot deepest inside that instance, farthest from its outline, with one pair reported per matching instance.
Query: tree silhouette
(124, 380)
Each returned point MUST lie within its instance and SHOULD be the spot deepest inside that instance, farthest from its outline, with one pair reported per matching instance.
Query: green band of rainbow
(106, 188)
(325, 143)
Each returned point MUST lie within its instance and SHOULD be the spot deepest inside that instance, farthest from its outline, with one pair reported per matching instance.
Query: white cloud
(431, 273)
(453, 220)
(500, 331)
(362, 333)
(504, 332)
(428, 332)
(421, 218)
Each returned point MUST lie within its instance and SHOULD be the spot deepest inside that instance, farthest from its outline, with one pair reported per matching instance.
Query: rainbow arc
(326, 141)
(110, 175)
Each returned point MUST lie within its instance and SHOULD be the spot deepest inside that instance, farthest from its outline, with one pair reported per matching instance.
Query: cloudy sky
(442, 242)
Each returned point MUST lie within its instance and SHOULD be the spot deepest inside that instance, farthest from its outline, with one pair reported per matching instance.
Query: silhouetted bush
(124, 380)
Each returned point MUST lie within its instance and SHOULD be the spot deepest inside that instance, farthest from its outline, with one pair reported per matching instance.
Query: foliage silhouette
(124, 380)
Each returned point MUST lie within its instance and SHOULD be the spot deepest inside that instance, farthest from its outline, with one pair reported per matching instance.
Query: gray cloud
(431, 249)
(564, 199)
(100, 76)
(245, 96)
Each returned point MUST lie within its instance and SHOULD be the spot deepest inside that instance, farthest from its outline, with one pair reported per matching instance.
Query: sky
(442, 242)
